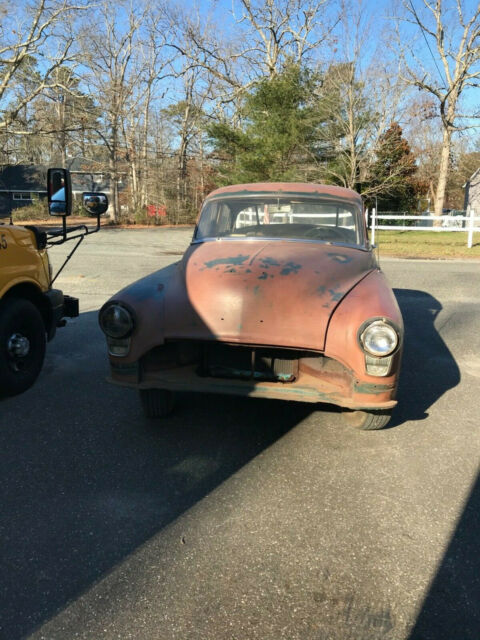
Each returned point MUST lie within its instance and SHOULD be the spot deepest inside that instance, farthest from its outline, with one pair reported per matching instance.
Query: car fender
(372, 297)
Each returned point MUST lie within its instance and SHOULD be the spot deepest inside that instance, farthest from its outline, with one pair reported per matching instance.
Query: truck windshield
(281, 217)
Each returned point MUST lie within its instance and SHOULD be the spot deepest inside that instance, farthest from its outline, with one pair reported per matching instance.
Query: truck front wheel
(22, 345)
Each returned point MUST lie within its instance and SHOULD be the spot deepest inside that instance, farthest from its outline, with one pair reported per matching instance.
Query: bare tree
(110, 54)
(155, 65)
(62, 118)
(268, 34)
(423, 130)
(186, 118)
(25, 36)
(453, 39)
(361, 97)
(281, 30)
(201, 44)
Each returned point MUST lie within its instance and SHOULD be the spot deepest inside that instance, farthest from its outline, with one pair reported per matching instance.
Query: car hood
(272, 292)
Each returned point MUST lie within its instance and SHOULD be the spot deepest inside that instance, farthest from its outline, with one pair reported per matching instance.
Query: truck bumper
(59, 306)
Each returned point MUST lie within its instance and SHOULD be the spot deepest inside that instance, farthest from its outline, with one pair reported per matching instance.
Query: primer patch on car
(290, 267)
(234, 260)
(340, 257)
(266, 263)
(336, 295)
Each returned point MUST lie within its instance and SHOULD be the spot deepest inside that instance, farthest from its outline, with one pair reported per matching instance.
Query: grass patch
(426, 244)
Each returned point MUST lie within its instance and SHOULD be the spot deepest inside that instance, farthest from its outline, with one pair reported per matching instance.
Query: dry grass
(427, 244)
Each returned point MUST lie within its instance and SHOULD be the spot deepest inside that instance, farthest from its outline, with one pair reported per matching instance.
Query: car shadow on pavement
(85, 479)
(428, 367)
(451, 610)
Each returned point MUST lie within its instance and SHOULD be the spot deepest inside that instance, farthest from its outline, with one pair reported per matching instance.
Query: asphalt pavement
(243, 519)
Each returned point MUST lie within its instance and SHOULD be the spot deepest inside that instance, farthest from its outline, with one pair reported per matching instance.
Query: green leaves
(277, 132)
(393, 172)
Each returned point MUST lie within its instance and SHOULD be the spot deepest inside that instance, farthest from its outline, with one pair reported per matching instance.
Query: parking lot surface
(239, 519)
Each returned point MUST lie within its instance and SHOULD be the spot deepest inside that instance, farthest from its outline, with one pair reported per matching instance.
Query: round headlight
(116, 321)
(379, 338)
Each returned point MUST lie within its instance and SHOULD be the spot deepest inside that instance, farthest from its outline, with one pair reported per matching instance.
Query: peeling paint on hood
(271, 292)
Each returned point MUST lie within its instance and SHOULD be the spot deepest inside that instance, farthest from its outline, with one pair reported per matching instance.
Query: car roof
(281, 188)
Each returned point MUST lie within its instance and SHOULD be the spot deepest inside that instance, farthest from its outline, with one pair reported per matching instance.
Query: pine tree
(278, 139)
(394, 171)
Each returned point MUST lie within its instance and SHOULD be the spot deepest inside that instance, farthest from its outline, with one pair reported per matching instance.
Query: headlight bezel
(124, 308)
(379, 321)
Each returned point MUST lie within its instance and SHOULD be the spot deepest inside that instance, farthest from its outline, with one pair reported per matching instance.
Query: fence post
(470, 229)
(374, 219)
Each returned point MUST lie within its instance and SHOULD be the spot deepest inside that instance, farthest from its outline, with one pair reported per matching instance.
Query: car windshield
(323, 219)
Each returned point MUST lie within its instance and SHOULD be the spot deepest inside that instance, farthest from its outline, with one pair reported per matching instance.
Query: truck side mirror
(59, 188)
(95, 203)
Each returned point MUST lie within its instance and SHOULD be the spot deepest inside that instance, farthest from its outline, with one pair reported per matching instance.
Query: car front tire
(367, 420)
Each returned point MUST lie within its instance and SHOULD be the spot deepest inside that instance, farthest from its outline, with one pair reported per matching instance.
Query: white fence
(247, 218)
(449, 223)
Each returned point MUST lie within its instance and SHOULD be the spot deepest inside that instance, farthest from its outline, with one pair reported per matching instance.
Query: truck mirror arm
(64, 237)
(63, 233)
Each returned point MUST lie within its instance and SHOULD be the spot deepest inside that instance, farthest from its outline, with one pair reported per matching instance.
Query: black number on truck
(3, 241)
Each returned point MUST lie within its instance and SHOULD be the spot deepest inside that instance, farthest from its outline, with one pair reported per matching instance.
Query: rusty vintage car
(279, 295)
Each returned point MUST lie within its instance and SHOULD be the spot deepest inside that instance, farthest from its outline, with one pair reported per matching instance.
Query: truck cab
(31, 309)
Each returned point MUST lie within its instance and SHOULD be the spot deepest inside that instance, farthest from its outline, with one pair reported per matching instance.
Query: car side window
(215, 220)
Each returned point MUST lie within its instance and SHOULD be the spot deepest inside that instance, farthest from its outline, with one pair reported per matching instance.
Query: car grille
(245, 363)
(221, 360)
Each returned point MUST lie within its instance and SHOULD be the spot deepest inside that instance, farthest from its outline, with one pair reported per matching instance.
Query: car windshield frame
(275, 206)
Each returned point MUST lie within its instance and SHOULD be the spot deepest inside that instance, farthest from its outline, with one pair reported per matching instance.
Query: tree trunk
(134, 182)
(113, 209)
(181, 179)
(132, 160)
(144, 161)
(113, 163)
(182, 173)
(442, 175)
(62, 137)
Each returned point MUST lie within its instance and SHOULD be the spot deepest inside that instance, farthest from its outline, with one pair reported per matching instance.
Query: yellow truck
(31, 309)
